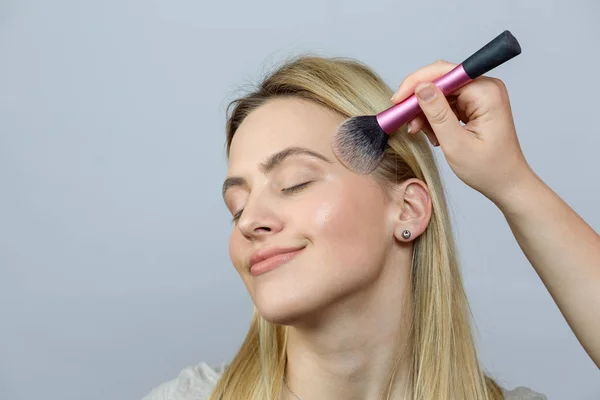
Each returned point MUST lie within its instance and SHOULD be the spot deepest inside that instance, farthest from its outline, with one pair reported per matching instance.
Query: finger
(420, 124)
(416, 124)
(479, 96)
(439, 113)
(428, 131)
(426, 74)
(482, 81)
(459, 114)
(431, 136)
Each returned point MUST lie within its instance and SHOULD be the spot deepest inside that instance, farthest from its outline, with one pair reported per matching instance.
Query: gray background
(114, 270)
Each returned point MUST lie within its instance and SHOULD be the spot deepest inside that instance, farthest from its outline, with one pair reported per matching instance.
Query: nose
(259, 220)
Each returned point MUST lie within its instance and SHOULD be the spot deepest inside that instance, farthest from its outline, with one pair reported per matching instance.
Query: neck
(355, 348)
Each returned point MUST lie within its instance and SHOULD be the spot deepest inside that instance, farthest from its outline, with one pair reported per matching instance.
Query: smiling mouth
(268, 263)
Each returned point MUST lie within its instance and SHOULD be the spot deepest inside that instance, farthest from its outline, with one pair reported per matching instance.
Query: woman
(354, 278)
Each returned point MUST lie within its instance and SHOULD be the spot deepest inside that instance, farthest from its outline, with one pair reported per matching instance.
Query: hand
(484, 153)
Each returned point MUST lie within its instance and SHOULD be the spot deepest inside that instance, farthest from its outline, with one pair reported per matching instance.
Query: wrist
(519, 193)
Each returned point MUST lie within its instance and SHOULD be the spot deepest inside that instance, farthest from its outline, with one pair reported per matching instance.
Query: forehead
(282, 123)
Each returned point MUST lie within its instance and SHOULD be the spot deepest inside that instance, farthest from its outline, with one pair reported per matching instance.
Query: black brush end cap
(504, 47)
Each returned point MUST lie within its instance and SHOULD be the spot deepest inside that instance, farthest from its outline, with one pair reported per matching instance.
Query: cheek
(349, 226)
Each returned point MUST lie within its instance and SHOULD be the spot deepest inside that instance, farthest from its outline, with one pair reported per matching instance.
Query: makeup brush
(360, 141)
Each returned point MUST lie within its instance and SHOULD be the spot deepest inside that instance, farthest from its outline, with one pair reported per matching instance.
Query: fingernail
(409, 128)
(425, 92)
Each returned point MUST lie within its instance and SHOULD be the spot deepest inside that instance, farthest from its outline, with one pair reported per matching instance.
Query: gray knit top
(196, 383)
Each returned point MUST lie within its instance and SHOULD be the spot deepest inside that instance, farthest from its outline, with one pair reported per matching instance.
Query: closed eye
(290, 190)
(296, 188)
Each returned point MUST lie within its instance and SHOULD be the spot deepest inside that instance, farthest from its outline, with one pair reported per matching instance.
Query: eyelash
(289, 190)
(295, 188)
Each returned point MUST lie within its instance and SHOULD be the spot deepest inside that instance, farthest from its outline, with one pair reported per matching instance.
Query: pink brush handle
(394, 117)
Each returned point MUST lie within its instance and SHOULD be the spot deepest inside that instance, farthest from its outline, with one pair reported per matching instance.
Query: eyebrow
(270, 164)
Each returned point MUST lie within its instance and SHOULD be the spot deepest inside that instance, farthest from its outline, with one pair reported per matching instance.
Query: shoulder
(523, 393)
(193, 383)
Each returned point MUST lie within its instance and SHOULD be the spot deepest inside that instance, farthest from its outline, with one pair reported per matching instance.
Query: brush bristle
(359, 143)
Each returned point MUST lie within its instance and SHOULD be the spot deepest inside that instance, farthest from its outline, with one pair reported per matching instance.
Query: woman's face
(330, 228)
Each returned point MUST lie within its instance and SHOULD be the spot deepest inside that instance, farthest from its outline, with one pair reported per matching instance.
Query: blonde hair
(444, 363)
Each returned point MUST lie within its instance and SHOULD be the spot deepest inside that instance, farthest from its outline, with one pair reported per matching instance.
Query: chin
(284, 300)
(281, 317)
(284, 308)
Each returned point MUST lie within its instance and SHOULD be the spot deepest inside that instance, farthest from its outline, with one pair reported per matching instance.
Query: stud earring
(406, 234)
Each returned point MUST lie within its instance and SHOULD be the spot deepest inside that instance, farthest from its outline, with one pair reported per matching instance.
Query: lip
(264, 260)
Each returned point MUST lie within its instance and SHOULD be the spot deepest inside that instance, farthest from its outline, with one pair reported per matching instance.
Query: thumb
(437, 110)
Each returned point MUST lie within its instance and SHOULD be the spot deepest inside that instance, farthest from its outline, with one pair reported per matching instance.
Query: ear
(411, 209)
